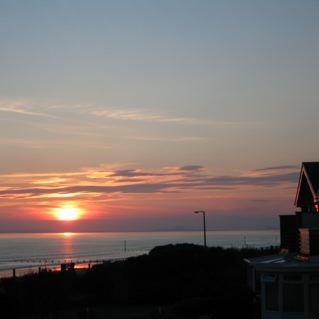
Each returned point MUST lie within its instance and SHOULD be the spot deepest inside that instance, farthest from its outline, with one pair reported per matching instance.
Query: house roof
(283, 262)
(308, 186)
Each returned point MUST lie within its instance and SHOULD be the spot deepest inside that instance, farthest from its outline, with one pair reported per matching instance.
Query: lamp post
(204, 222)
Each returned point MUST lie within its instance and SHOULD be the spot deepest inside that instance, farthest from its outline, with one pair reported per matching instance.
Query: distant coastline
(144, 231)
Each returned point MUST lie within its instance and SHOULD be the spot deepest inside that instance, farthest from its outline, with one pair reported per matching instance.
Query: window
(314, 277)
(293, 297)
(313, 298)
(271, 296)
(269, 277)
(293, 277)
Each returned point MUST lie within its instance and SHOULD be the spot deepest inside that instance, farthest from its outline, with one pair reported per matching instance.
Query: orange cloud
(114, 190)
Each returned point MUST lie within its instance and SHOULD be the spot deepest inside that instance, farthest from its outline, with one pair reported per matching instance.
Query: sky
(137, 113)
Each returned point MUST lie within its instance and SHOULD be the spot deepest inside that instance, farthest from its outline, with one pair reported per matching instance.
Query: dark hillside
(175, 281)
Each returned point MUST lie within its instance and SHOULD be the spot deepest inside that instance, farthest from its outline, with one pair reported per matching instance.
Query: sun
(67, 213)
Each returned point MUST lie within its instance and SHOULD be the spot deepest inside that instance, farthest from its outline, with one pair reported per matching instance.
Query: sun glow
(67, 213)
(67, 234)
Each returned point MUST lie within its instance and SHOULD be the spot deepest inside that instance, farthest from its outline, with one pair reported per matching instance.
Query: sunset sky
(136, 113)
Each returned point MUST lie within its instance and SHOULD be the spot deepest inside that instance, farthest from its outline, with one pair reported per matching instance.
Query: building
(288, 283)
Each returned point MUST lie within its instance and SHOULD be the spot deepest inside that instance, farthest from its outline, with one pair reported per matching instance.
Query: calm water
(29, 251)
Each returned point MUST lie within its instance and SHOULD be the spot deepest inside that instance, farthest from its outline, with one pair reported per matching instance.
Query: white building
(288, 283)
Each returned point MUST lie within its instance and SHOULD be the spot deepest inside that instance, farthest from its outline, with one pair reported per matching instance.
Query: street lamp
(204, 222)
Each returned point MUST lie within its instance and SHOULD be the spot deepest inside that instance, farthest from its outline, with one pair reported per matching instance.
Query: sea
(31, 252)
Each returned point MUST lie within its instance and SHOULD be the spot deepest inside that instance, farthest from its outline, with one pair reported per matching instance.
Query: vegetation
(173, 281)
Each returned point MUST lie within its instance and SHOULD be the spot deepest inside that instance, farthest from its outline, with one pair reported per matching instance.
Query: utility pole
(204, 223)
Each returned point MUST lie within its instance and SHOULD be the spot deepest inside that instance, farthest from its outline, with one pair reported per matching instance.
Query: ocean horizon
(143, 231)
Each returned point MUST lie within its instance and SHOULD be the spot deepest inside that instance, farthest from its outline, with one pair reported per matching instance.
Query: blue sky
(230, 86)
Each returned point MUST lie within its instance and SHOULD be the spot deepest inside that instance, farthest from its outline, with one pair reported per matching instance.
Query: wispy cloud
(45, 144)
(277, 168)
(131, 181)
(132, 173)
(23, 107)
(191, 168)
(143, 115)
(173, 139)
(267, 180)
(66, 110)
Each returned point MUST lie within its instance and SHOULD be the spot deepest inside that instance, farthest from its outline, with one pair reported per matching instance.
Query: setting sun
(67, 213)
